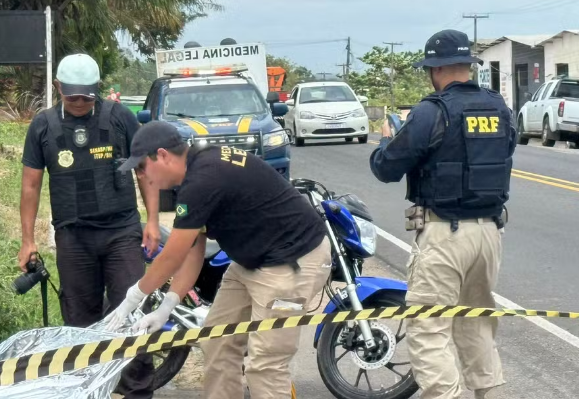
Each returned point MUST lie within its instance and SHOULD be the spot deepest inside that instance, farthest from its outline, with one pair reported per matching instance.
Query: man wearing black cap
(97, 225)
(456, 150)
(276, 239)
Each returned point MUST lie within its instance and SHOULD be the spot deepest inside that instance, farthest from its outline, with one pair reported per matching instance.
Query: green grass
(23, 312)
(13, 133)
(20, 312)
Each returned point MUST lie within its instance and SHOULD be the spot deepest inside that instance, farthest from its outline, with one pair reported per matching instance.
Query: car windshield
(322, 94)
(213, 100)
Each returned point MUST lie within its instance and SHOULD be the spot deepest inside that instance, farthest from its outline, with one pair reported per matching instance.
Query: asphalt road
(540, 268)
(540, 262)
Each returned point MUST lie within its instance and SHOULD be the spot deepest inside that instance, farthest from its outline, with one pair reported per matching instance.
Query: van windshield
(212, 100)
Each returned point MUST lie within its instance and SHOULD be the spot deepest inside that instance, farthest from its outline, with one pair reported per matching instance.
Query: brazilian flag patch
(181, 210)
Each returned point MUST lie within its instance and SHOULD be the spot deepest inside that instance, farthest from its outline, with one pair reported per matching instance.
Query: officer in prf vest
(81, 142)
(456, 150)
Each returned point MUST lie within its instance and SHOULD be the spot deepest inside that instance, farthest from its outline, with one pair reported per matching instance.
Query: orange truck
(276, 79)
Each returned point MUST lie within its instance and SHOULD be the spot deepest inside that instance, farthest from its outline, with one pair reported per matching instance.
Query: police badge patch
(80, 136)
(65, 158)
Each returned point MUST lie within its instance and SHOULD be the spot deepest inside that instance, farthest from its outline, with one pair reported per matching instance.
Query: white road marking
(394, 240)
(502, 301)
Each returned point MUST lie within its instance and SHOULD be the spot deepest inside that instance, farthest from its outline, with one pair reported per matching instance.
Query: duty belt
(418, 216)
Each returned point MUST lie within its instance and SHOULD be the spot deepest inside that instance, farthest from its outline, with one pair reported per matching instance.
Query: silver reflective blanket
(93, 382)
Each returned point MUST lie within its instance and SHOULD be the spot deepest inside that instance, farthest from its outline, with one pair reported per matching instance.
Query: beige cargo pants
(459, 268)
(254, 295)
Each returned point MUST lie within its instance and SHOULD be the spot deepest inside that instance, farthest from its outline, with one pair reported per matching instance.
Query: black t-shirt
(257, 217)
(34, 155)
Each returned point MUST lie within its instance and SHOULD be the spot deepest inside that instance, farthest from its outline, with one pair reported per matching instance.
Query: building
(562, 54)
(513, 65)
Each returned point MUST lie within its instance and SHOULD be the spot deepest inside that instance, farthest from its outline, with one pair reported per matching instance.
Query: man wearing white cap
(81, 141)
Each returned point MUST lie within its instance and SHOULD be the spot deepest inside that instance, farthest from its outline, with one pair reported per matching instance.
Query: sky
(313, 33)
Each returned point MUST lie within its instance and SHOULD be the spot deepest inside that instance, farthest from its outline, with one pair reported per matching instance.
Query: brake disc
(381, 355)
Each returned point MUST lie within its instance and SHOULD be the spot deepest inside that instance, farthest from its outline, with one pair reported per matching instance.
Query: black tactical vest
(468, 175)
(82, 179)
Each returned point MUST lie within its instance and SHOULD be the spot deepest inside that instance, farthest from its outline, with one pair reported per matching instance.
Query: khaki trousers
(253, 295)
(459, 268)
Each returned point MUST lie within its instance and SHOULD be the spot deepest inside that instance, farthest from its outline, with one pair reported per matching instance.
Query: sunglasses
(76, 97)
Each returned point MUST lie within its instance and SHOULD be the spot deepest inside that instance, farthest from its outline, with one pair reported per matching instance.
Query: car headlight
(275, 139)
(307, 115)
(367, 234)
(359, 113)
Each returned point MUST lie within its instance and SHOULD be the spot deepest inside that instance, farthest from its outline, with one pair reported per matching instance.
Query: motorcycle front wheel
(169, 362)
(344, 340)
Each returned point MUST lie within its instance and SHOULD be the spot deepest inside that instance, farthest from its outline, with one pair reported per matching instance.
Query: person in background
(456, 150)
(81, 141)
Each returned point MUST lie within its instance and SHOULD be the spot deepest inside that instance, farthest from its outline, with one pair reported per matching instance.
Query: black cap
(148, 139)
(447, 47)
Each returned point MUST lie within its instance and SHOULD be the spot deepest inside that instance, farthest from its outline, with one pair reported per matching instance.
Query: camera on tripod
(36, 273)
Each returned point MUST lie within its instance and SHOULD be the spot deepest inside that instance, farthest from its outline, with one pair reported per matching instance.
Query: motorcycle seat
(211, 248)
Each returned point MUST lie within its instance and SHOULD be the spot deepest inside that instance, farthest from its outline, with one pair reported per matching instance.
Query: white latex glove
(116, 318)
(154, 321)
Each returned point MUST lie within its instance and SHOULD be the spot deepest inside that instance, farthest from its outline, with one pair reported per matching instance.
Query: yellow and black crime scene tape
(76, 357)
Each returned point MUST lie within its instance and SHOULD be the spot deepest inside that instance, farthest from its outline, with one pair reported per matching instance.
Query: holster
(415, 218)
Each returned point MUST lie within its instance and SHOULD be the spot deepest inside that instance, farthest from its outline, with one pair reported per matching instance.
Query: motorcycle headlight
(307, 115)
(275, 139)
(367, 234)
(359, 113)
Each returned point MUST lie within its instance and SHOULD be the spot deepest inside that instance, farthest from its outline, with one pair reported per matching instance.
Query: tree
(294, 73)
(410, 84)
(134, 77)
(91, 26)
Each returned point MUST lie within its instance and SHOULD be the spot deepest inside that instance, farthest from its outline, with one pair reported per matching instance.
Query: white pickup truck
(552, 114)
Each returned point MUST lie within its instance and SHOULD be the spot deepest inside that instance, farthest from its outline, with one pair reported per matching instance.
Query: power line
(303, 43)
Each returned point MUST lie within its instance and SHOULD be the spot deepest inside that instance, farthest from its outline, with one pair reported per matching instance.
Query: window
(294, 95)
(213, 100)
(496, 76)
(546, 91)
(567, 88)
(323, 94)
(562, 69)
(538, 93)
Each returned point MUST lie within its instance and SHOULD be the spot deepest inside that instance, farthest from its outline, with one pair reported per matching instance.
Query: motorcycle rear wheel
(331, 375)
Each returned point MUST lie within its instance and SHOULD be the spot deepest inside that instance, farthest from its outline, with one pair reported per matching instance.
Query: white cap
(78, 74)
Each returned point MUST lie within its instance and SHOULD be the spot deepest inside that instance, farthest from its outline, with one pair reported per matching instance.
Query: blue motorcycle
(371, 345)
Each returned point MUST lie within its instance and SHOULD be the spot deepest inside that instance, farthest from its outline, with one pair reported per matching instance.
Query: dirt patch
(191, 374)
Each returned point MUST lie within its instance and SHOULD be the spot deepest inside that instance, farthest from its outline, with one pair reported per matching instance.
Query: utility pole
(343, 70)
(324, 74)
(348, 60)
(392, 44)
(476, 17)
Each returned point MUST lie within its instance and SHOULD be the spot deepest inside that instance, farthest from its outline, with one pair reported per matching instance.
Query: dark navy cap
(447, 47)
(148, 139)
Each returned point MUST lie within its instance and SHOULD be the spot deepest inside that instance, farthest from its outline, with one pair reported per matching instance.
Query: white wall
(562, 51)
(502, 53)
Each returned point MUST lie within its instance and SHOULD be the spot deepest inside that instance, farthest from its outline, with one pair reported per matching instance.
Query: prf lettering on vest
(233, 155)
(482, 124)
(102, 152)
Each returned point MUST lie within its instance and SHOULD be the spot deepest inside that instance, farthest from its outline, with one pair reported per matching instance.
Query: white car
(326, 110)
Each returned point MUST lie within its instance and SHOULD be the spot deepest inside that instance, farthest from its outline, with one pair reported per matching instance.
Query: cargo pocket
(487, 177)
